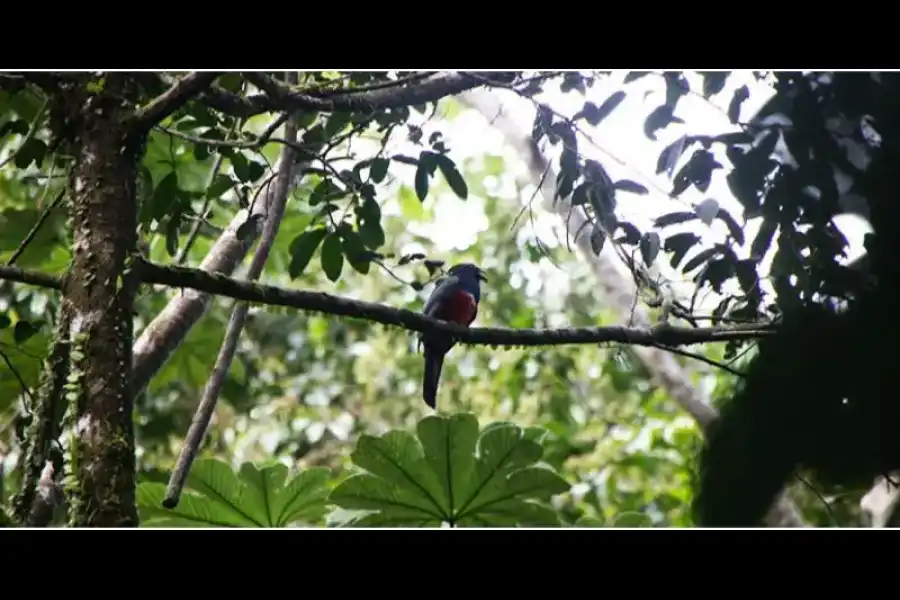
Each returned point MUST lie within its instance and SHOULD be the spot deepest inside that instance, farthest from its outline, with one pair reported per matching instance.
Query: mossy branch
(322, 302)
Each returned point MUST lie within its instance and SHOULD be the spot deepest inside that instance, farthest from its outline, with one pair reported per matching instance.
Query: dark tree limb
(174, 98)
(221, 285)
(281, 98)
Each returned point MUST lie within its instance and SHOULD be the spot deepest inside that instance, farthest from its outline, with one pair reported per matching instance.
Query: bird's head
(467, 271)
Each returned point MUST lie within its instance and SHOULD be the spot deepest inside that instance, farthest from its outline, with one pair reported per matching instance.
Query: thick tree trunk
(100, 292)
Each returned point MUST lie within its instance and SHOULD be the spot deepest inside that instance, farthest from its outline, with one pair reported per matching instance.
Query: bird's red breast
(459, 308)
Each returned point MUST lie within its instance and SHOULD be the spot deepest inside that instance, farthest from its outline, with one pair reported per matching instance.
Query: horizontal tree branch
(174, 98)
(221, 285)
(279, 97)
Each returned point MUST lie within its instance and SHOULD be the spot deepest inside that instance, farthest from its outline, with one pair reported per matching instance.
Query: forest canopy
(214, 287)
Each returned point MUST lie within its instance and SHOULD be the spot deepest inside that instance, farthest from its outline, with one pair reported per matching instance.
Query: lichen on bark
(46, 414)
(101, 290)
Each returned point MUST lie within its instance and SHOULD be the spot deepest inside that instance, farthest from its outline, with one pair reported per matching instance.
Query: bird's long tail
(434, 362)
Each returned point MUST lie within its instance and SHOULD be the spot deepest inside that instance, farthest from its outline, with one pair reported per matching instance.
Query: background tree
(340, 176)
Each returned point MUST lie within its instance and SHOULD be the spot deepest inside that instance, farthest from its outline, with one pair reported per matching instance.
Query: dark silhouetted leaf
(580, 195)
(698, 260)
(220, 184)
(650, 247)
(594, 114)
(713, 82)
(406, 160)
(354, 249)
(734, 229)
(31, 151)
(452, 175)
(707, 210)
(598, 239)
(674, 219)
(421, 182)
(659, 118)
(165, 196)
(378, 169)
(676, 88)
(627, 185)
(543, 120)
(302, 248)
(4, 321)
(734, 107)
(332, 256)
(678, 245)
(763, 239)
(670, 156)
(632, 234)
(717, 272)
(635, 75)
(23, 331)
(369, 216)
(173, 229)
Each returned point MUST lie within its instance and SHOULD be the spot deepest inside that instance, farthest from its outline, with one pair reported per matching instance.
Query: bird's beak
(482, 276)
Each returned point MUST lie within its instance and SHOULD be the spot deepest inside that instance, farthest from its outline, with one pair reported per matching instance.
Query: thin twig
(17, 375)
(701, 358)
(40, 222)
(32, 130)
(207, 405)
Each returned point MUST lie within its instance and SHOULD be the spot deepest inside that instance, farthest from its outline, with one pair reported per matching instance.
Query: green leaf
(302, 248)
(32, 151)
(589, 521)
(332, 256)
(165, 196)
(354, 249)
(378, 169)
(454, 178)
(450, 473)
(172, 234)
(220, 184)
(216, 496)
(370, 231)
(23, 331)
(631, 519)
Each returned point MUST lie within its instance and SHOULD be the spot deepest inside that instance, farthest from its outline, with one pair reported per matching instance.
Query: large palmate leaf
(449, 474)
(216, 496)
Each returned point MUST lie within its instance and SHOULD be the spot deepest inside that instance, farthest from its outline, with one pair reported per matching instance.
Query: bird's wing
(441, 293)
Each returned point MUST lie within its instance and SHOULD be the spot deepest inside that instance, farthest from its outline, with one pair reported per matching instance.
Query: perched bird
(455, 300)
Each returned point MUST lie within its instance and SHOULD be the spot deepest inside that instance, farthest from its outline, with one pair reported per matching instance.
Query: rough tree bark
(617, 291)
(100, 293)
